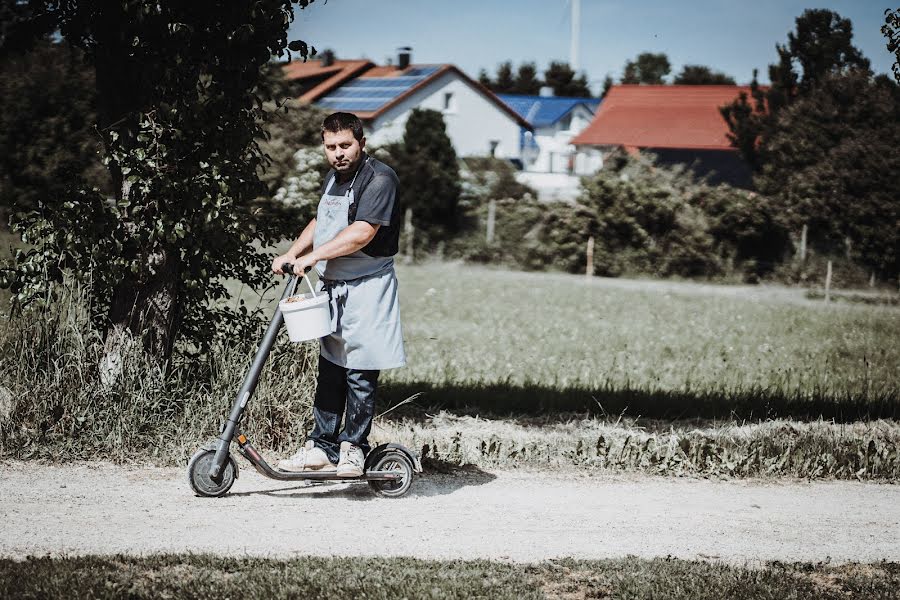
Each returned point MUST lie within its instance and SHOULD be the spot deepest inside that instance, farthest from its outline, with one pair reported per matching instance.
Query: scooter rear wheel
(202, 483)
(393, 461)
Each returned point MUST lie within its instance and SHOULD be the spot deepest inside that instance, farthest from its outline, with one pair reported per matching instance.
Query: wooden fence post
(803, 233)
(410, 232)
(589, 272)
(491, 220)
(828, 283)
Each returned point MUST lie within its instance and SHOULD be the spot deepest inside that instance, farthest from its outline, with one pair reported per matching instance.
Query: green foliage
(60, 407)
(564, 81)
(822, 141)
(702, 75)
(505, 81)
(559, 76)
(645, 219)
(293, 170)
(289, 127)
(667, 224)
(180, 108)
(427, 166)
(527, 81)
(831, 161)
(821, 46)
(891, 30)
(47, 135)
(647, 68)
(486, 178)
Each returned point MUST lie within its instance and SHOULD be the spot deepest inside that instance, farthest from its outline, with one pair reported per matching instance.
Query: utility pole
(576, 32)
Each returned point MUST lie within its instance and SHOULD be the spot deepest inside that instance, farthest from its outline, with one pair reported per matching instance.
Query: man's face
(342, 150)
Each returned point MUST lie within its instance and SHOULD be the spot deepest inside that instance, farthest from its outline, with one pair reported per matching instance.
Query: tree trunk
(144, 306)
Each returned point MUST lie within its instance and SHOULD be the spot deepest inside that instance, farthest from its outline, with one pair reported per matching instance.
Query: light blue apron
(365, 311)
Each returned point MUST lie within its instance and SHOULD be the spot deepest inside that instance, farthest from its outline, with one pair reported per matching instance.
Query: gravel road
(100, 508)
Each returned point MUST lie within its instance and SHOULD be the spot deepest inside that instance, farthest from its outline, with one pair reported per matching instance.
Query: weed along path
(98, 508)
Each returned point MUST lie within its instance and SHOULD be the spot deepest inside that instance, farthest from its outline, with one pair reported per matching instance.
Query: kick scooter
(388, 469)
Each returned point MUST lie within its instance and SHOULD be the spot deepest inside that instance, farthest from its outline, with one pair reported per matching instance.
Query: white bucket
(307, 319)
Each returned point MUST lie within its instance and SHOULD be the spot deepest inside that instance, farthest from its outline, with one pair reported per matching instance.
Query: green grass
(203, 576)
(525, 342)
(697, 400)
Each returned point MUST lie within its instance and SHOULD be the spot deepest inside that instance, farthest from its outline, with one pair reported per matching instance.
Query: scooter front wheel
(202, 483)
(393, 461)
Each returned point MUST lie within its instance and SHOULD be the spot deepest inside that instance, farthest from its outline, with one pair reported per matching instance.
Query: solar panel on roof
(351, 105)
(420, 71)
(370, 94)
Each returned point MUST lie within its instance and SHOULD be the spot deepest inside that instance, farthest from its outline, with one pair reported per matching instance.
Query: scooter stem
(247, 388)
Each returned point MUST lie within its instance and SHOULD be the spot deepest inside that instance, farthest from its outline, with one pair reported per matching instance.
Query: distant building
(556, 120)
(478, 123)
(680, 124)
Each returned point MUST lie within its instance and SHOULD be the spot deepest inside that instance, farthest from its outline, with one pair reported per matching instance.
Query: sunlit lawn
(471, 327)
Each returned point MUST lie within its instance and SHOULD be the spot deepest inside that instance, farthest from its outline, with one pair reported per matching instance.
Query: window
(448, 101)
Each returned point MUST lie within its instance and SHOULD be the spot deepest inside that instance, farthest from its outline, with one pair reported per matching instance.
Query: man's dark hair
(341, 121)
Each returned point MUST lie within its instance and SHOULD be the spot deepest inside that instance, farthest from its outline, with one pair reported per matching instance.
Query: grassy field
(529, 342)
(515, 370)
(201, 576)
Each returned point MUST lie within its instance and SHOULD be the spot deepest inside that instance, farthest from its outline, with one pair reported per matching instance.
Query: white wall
(557, 155)
(472, 120)
(589, 159)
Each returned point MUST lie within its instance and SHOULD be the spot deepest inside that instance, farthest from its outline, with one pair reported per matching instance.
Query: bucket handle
(289, 268)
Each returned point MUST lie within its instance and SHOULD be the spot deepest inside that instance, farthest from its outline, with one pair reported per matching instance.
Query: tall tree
(821, 46)
(47, 136)
(485, 79)
(505, 82)
(565, 82)
(831, 163)
(431, 187)
(891, 30)
(527, 81)
(701, 75)
(607, 84)
(647, 68)
(180, 112)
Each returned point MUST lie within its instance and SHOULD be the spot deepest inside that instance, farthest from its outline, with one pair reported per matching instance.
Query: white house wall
(472, 121)
(556, 154)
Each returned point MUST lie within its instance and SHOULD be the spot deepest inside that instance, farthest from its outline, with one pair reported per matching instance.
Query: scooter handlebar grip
(288, 268)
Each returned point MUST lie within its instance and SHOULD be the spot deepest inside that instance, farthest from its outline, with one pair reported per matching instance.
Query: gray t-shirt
(376, 200)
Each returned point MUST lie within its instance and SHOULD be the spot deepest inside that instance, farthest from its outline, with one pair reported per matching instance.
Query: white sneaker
(351, 461)
(308, 458)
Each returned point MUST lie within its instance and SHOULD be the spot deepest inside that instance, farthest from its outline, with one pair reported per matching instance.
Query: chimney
(403, 57)
(327, 58)
(546, 91)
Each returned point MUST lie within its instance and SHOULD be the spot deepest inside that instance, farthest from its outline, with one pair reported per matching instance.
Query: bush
(53, 403)
(429, 178)
(487, 178)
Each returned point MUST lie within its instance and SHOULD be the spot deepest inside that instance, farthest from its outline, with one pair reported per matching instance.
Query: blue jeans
(347, 393)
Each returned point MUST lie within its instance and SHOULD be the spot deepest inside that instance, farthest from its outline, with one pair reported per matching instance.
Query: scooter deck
(330, 475)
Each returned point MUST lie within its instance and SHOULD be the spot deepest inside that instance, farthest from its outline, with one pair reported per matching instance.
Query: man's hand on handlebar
(280, 260)
(301, 264)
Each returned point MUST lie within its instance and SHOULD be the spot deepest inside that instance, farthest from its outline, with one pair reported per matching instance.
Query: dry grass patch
(770, 449)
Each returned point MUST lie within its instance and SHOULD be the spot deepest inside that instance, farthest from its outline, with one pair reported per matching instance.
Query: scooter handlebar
(288, 268)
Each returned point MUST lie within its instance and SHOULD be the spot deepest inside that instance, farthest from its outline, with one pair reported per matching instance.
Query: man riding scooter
(351, 243)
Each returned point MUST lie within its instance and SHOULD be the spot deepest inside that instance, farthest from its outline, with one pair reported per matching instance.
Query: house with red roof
(679, 124)
(478, 123)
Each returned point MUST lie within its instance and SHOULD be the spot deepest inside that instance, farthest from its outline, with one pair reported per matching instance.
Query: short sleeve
(376, 203)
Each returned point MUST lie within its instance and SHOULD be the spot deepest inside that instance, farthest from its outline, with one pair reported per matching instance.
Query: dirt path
(102, 508)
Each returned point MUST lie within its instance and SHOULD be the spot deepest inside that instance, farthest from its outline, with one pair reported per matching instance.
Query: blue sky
(734, 36)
